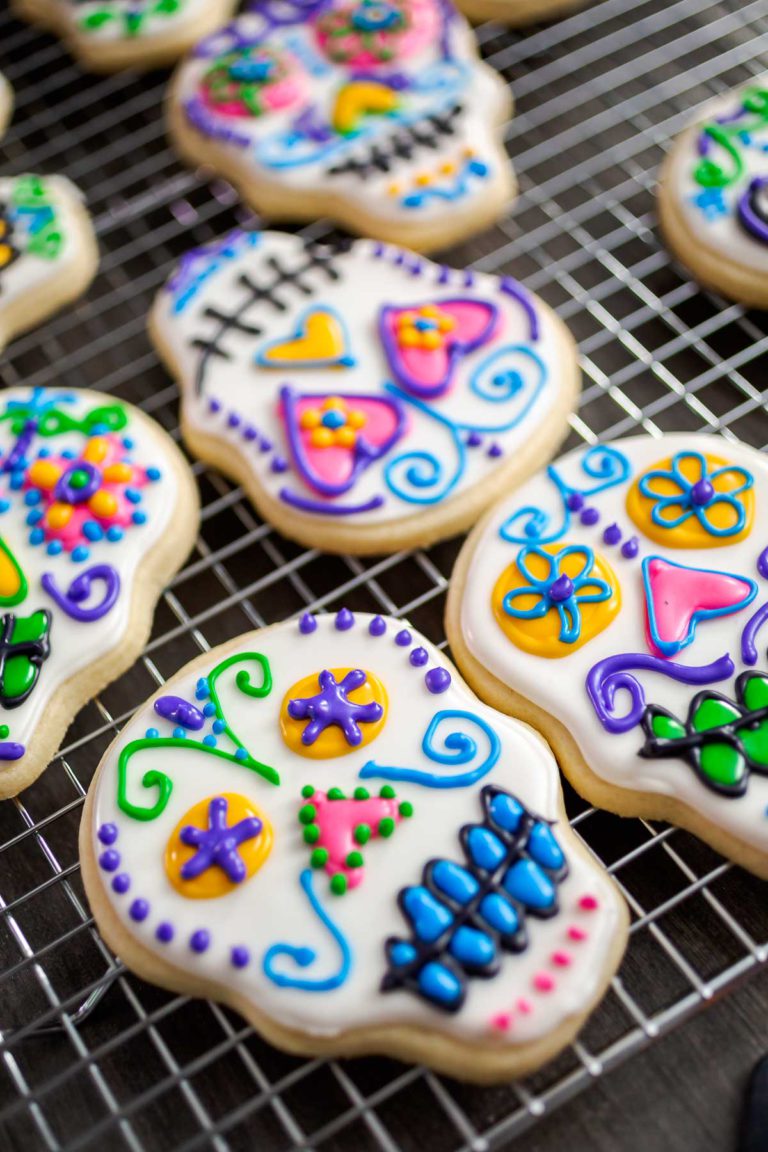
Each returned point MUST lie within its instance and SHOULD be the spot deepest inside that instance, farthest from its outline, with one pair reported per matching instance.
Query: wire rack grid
(91, 1057)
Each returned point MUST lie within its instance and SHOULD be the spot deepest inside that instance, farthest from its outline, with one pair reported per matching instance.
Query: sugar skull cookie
(367, 399)
(6, 103)
(616, 602)
(377, 113)
(321, 826)
(517, 13)
(713, 195)
(97, 511)
(107, 35)
(48, 253)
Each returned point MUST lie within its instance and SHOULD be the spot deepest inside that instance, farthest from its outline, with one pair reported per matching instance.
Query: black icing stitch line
(402, 144)
(318, 257)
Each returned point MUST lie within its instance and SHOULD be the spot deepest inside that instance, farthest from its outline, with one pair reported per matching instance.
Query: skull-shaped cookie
(375, 112)
(368, 399)
(320, 825)
(48, 254)
(713, 196)
(616, 602)
(106, 35)
(97, 510)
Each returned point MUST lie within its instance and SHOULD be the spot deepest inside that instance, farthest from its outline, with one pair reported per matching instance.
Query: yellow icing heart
(13, 585)
(361, 98)
(322, 339)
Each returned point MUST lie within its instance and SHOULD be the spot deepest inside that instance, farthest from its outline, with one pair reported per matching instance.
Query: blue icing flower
(696, 494)
(558, 591)
(712, 203)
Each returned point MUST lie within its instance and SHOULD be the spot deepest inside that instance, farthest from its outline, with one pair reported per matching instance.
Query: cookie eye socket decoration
(363, 891)
(371, 398)
(693, 501)
(664, 709)
(89, 490)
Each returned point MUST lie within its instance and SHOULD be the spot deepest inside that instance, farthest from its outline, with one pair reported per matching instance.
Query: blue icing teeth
(526, 882)
(543, 847)
(401, 953)
(428, 916)
(485, 848)
(473, 948)
(440, 984)
(500, 914)
(454, 881)
(506, 812)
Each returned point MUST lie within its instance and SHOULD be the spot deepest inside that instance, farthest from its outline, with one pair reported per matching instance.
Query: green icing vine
(132, 19)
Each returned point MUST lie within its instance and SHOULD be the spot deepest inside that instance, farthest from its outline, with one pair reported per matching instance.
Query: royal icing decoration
(87, 489)
(328, 899)
(363, 385)
(374, 107)
(115, 33)
(45, 235)
(719, 176)
(661, 688)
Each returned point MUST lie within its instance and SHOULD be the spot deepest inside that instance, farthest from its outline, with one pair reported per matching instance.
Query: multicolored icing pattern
(30, 226)
(664, 664)
(307, 938)
(720, 176)
(74, 527)
(383, 104)
(363, 385)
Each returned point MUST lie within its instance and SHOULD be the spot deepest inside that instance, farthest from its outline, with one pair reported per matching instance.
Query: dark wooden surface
(684, 1094)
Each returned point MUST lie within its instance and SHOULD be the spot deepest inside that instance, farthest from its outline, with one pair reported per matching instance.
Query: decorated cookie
(106, 35)
(517, 13)
(6, 103)
(713, 195)
(48, 253)
(367, 399)
(97, 511)
(377, 113)
(616, 603)
(321, 826)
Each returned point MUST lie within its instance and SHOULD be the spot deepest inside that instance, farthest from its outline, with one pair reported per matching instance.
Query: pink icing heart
(678, 597)
(424, 343)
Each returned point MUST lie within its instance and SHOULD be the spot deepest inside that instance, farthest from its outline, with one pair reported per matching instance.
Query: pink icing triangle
(337, 820)
(677, 597)
(428, 372)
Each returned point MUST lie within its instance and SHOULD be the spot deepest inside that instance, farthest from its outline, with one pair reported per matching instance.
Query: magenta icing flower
(80, 500)
(373, 32)
(252, 81)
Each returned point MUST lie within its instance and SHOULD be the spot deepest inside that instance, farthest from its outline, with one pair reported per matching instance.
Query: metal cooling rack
(90, 1056)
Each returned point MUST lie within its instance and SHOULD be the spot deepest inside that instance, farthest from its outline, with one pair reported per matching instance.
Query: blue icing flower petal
(429, 917)
(472, 948)
(544, 849)
(500, 914)
(438, 983)
(454, 881)
(401, 953)
(505, 811)
(526, 883)
(485, 848)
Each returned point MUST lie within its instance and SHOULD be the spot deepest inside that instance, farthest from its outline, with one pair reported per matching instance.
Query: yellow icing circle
(214, 881)
(541, 637)
(331, 741)
(691, 532)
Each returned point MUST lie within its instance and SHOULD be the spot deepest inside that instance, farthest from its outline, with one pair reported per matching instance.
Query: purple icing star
(217, 844)
(331, 706)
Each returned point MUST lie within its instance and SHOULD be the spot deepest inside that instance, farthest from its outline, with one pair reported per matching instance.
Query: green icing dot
(319, 858)
(713, 713)
(307, 791)
(4, 730)
(307, 814)
(362, 833)
(311, 834)
(338, 884)
(335, 794)
(722, 764)
(362, 794)
(406, 809)
(78, 479)
(387, 792)
(386, 826)
(354, 860)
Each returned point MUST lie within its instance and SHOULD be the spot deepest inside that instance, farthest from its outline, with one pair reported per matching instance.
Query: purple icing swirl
(752, 209)
(608, 676)
(80, 590)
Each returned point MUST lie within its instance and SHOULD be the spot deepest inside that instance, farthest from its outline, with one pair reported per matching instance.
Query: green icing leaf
(723, 765)
(755, 741)
(666, 727)
(713, 713)
(756, 692)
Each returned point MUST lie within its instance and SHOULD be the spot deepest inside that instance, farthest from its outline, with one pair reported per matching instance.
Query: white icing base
(370, 276)
(557, 685)
(271, 907)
